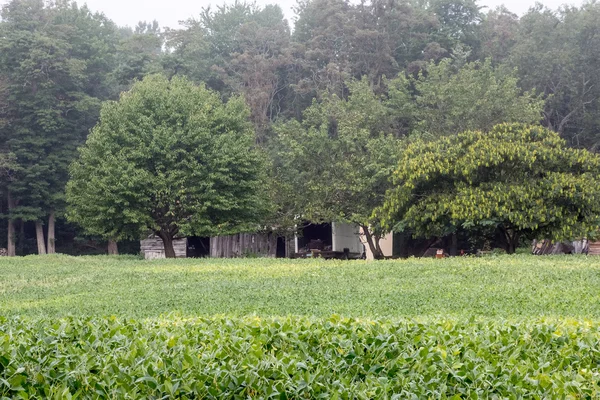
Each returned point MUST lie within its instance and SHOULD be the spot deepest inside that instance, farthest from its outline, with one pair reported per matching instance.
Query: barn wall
(244, 244)
(290, 246)
(386, 244)
(154, 247)
(594, 249)
(346, 236)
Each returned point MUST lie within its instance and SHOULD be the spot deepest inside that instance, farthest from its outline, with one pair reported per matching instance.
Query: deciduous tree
(454, 96)
(172, 159)
(55, 59)
(557, 55)
(521, 180)
(336, 163)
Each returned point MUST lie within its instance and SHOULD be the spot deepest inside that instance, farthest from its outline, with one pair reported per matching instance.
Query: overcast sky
(170, 12)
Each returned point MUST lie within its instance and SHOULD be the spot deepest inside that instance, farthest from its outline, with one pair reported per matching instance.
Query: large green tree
(172, 159)
(335, 165)
(336, 39)
(557, 54)
(56, 60)
(498, 34)
(139, 53)
(455, 95)
(520, 180)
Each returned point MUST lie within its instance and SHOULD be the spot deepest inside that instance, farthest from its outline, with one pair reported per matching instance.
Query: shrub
(291, 358)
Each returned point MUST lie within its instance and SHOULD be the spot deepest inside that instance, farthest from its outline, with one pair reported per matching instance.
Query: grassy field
(505, 286)
(120, 327)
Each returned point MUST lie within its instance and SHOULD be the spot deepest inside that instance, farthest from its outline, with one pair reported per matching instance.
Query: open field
(497, 327)
(505, 287)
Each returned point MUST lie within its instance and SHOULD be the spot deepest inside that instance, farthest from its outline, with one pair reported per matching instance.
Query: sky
(169, 12)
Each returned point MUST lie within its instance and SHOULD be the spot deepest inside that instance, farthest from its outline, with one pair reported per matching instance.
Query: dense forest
(381, 72)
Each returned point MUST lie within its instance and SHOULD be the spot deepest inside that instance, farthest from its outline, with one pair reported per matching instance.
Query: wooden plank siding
(153, 247)
(594, 249)
(232, 246)
(243, 245)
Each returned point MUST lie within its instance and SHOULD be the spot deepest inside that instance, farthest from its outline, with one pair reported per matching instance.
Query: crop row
(297, 358)
(507, 287)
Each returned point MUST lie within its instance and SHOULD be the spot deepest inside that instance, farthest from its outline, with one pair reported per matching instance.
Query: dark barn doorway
(198, 247)
(315, 233)
(280, 251)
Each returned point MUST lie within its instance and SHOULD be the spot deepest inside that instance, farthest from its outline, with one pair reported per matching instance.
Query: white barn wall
(346, 236)
(386, 243)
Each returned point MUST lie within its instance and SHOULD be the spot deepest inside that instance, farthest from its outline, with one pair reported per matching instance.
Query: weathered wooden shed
(336, 237)
(153, 248)
(248, 244)
(232, 246)
(333, 238)
(594, 249)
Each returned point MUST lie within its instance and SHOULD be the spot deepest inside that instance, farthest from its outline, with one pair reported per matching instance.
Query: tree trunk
(454, 245)
(374, 247)
(167, 239)
(400, 245)
(51, 247)
(511, 240)
(10, 246)
(511, 248)
(21, 237)
(39, 233)
(376, 239)
(113, 250)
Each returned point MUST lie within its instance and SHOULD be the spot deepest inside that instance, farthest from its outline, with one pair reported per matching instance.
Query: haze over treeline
(438, 67)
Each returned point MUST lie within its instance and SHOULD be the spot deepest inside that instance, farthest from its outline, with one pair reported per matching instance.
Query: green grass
(118, 327)
(494, 287)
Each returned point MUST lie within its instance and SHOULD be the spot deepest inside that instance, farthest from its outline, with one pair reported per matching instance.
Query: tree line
(334, 100)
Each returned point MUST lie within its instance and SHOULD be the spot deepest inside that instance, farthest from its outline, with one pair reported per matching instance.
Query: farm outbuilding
(232, 246)
(583, 246)
(153, 247)
(330, 239)
(249, 244)
(335, 240)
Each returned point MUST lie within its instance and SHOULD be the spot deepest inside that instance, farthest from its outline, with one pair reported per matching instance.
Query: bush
(297, 358)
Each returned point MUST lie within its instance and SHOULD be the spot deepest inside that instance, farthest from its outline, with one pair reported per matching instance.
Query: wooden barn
(153, 247)
(232, 246)
(250, 245)
(594, 249)
(332, 238)
(544, 247)
(329, 241)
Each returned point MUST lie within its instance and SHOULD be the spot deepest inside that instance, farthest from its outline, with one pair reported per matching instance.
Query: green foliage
(454, 96)
(237, 357)
(139, 53)
(296, 358)
(7, 164)
(56, 341)
(56, 60)
(499, 287)
(237, 49)
(169, 157)
(338, 160)
(556, 53)
(517, 178)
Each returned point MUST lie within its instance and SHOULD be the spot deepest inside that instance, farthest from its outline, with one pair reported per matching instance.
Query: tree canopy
(521, 180)
(56, 63)
(336, 164)
(437, 68)
(453, 96)
(168, 158)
